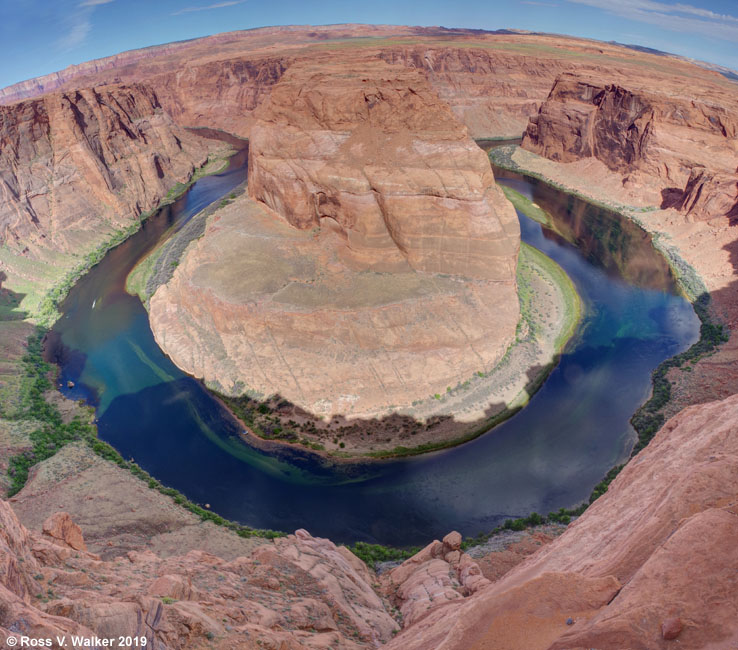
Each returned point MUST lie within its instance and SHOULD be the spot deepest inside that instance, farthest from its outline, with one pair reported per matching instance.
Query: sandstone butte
(650, 564)
(384, 269)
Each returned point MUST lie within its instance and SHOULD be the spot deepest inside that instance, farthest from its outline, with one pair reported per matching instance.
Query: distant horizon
(307, 25)
(38, 38)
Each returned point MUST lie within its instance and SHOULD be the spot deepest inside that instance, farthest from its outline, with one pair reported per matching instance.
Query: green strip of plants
(526, 206)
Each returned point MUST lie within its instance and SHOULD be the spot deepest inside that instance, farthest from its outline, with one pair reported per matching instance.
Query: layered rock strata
(493, 81)
(81, 163)
(376, 266)
(372, 152)
(680, 148)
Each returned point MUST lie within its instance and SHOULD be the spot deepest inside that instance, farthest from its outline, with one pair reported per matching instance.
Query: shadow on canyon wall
(10, 302)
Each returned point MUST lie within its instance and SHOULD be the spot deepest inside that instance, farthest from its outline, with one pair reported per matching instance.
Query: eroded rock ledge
(676, 148)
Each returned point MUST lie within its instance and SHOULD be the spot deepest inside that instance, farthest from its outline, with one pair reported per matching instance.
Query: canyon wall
(678, 145)
(493, 81)
(221, 94)
(491, 91)
(76, 165)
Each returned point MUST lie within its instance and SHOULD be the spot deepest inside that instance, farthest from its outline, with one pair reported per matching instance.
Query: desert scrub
(371, 554)
(48, 309)
(649, 418)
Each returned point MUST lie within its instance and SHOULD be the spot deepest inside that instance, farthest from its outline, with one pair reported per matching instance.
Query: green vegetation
(48, 311)
(138, 277)
(52, 432)
(650, 417)
(371, 554)
(531, 257)
(159, 265)
(526, 206)
(214, 165)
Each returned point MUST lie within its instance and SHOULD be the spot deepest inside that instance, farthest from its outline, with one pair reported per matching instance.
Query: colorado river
(549, 455)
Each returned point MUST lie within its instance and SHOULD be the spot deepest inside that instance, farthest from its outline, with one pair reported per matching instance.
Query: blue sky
(42, 36)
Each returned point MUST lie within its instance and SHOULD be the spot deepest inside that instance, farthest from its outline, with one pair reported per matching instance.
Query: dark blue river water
(549, 455)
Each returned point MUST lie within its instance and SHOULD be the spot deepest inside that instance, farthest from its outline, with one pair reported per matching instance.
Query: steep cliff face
(372, 150)
(220, 94)
(708, 193)
(76, 165)
(492, 92)
(683, 144)
(63, 78)
(649, 561)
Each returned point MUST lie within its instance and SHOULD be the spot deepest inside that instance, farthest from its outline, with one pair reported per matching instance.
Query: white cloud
(217, 5)
(76, 35)
(76, 23)
(679, 17)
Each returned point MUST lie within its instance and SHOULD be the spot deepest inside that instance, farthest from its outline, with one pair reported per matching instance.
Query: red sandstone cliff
(679, 141)
(78, 164)
(371, 149)
(492, 91)
(493, 82)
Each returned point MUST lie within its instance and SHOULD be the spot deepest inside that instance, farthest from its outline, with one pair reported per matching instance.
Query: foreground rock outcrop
(377, 266)
(655, 548)
(299, 592)
(679, 148)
